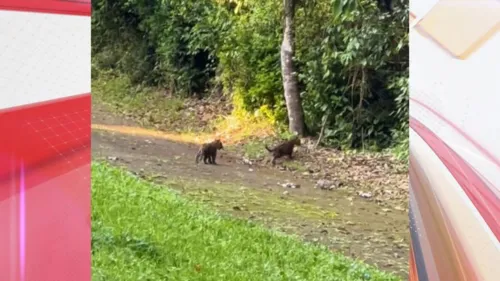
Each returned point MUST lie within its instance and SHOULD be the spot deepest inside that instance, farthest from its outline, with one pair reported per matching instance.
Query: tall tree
(288, 72)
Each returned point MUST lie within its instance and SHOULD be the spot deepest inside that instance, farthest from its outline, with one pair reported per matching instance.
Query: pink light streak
(22, 225)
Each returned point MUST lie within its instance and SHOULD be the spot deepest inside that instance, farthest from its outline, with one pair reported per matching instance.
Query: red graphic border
(63, 7)
(476, 189)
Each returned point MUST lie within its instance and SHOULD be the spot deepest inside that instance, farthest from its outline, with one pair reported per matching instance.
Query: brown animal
(283, 149)
(208, 151)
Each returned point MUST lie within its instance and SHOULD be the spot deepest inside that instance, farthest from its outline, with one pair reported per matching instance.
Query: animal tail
(198, 156)
(268, 149)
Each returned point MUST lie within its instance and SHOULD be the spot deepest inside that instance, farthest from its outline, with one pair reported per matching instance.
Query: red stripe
(42, 133)
(63, 7)
(460, 131)
(37, 104)
(413, 274)
(477, 190)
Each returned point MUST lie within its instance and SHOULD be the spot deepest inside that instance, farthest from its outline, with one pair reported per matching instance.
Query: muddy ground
(357, 227)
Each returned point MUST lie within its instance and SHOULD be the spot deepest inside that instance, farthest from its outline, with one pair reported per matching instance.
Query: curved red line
(476, 190)
(412, 275)
(465, 135)
(43, 103)
(62, 7)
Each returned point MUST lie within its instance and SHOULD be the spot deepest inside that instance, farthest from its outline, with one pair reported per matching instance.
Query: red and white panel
(45, 156)
(455, 156)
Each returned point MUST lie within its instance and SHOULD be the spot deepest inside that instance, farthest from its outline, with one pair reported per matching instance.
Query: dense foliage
(352, 64)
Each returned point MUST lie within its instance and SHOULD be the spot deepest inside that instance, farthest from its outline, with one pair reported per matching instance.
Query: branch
(322, 132)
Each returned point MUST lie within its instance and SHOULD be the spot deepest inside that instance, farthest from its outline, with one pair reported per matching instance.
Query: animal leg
(273, 161)
(213, 158)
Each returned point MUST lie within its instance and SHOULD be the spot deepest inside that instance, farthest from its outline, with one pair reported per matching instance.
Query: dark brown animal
(283, 149)
(208, 151)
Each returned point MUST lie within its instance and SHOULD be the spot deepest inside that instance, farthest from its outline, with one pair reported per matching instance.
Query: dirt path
(352, 225)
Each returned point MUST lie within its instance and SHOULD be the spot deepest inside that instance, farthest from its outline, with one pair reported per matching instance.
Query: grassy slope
(144, 232)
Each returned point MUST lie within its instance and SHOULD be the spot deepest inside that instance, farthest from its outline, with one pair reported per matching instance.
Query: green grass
(254, 149)
(148, 106)
(141, 231)
(294, 165)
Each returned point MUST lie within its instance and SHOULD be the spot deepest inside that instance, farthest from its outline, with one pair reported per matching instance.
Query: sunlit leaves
(349, 56)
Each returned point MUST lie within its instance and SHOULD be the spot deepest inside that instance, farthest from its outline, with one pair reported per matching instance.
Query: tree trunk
(290, 83)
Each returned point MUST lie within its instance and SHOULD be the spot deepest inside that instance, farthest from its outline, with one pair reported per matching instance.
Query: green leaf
(338, 5)
(327, 74)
